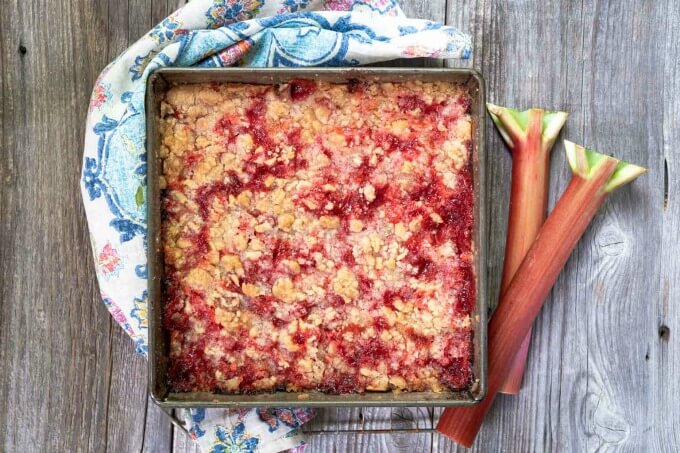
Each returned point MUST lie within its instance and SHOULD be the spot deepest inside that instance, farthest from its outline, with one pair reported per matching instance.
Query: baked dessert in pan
(318, 236)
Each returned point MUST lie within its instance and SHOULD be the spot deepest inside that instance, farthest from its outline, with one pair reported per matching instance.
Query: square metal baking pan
(158, 339)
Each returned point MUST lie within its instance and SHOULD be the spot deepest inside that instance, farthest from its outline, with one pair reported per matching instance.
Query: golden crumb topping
(318, 236)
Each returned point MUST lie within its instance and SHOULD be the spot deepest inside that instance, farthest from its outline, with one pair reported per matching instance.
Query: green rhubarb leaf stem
(584, 161)
(593, 175)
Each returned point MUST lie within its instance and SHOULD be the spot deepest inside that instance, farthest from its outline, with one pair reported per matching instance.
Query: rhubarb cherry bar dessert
(318, 236)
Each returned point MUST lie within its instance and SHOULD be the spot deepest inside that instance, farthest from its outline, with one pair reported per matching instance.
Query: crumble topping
(318, 236)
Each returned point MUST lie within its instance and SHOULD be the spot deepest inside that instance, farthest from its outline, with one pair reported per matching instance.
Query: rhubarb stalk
(530, 135)
(594, 177)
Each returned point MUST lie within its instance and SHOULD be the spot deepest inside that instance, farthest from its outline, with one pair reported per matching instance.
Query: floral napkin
(217, 33)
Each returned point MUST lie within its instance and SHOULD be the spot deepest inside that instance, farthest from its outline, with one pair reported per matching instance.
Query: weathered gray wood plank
(55, 356)
(181, 443)
(664, 350)
(333, 424)
(127, 399)
(587, 366)
(603, 369)
(158, 430)
(625, 238)
(58, 344)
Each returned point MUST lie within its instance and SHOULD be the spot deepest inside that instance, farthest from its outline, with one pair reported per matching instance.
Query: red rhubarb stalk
(594, 177)
(530, 135)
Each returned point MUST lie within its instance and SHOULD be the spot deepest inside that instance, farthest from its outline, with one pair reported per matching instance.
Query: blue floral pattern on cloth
(293, 6)
(196, 416)
(166, 30)
(274, 417)
(244, 430)
(218, 33)
(234, 439)
(223, 12)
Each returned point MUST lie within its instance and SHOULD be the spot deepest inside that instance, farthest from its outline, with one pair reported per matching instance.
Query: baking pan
(158, 338)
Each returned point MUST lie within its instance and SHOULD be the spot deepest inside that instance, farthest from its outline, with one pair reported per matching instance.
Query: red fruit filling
(318, 236)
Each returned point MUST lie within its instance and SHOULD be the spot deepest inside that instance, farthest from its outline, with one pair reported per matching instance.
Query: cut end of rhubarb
(462, 424)
(552, 125)
(584, 162)
(501, 115)
(625, 172)
(514, 125)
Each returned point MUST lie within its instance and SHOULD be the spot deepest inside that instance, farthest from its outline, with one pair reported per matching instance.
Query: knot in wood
(612, 242)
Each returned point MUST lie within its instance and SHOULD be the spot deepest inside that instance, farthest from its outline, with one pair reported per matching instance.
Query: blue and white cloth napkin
(216, 33)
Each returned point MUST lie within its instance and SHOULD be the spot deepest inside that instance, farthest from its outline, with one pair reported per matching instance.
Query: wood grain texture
(605, 359)
(664, 349)
(58, 345)
(182, 443)
(599, 61)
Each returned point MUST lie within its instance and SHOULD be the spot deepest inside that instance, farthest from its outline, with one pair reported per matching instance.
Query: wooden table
(605, 362)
